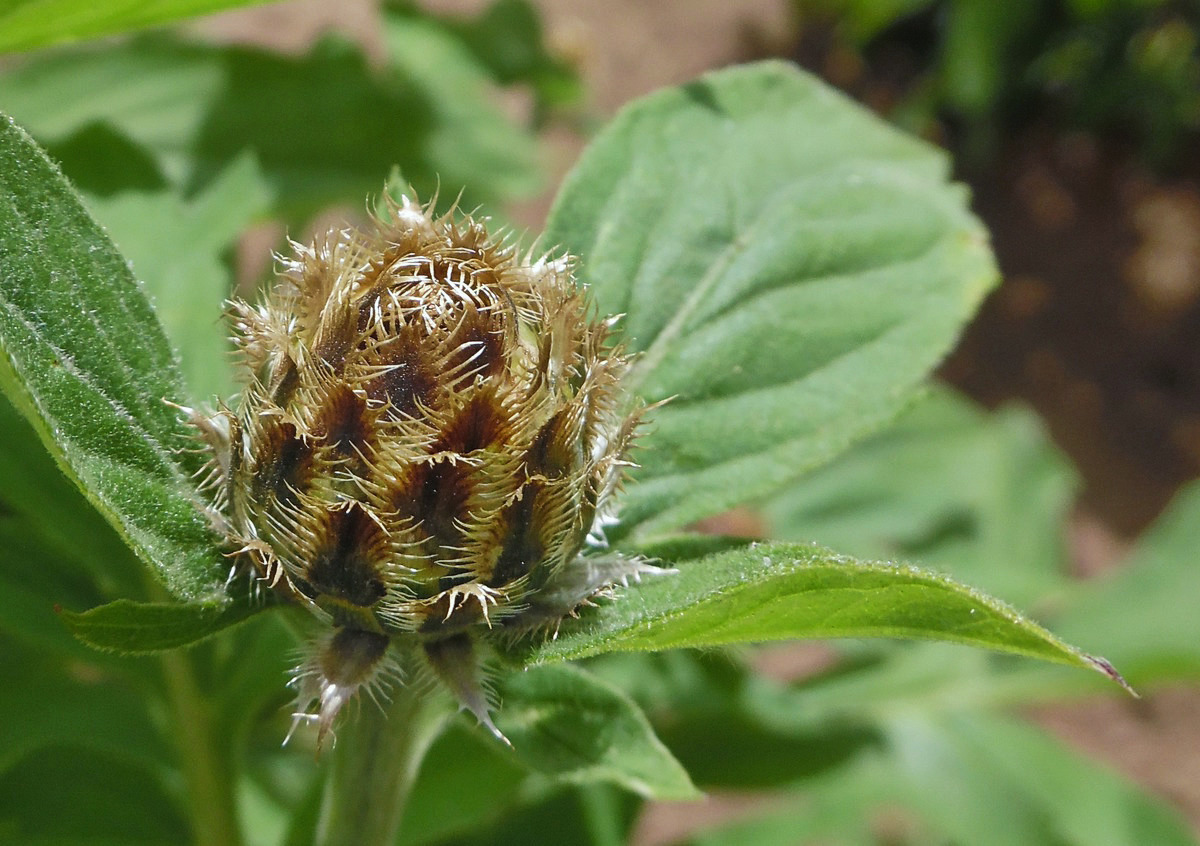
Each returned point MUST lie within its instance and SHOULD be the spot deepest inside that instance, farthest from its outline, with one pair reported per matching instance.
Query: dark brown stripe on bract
(284, 462)
(347, 563)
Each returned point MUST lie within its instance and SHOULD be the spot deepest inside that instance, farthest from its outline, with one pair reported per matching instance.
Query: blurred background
(1074, 122)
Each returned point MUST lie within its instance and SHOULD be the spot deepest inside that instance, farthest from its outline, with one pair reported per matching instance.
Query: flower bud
(431, 428)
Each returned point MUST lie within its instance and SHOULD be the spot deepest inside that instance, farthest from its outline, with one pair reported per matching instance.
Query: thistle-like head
(432, 426)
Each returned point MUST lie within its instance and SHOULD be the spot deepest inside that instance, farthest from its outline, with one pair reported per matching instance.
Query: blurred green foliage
(1128, 67)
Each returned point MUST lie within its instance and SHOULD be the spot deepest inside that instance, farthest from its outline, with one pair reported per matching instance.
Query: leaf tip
(1102, 665)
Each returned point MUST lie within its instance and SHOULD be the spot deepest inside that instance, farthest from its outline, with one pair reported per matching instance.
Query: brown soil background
(1095, 326)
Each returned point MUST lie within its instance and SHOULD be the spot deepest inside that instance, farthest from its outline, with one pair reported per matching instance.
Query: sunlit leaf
(789, 267)
(783, 591)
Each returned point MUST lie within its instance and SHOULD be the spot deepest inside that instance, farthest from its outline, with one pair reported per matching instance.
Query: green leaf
(44, 517)
(251, 662)
(34, 580)
(982, 496)
(26, 24)
(967, 779)
(100, 161)
(140, 628)
(862, 20)
(589, 815)
(177, 248)
(85, 360)
(282, 107)
(508, 39)
(843, 810)
(783, 591)
(789, 267)
(566, 723)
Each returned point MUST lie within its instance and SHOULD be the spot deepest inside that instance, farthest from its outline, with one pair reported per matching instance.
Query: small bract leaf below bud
(431, 427)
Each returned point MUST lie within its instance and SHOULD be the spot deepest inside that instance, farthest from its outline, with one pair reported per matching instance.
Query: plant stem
(375, 765)
(203, 756)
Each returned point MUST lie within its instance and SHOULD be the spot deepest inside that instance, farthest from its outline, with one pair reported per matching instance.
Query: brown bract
(431, 428)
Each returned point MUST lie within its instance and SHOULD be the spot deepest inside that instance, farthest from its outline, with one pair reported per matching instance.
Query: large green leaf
(789, 267)
(567, 723)
(85, 360)
(25, 24)
(782, 591)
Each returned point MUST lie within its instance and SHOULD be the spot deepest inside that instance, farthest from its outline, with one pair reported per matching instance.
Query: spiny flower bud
(431, 430)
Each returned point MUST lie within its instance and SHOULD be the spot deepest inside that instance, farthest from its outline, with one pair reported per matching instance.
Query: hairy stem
(375, 765)
(203, 756)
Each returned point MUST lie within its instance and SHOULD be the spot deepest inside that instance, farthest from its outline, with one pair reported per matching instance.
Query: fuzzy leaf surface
(784, 591)
(569, 724)
(26, 24)
(84, 358)
(789, 267)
